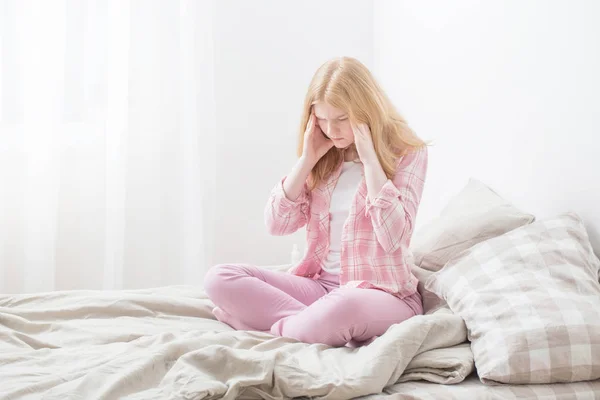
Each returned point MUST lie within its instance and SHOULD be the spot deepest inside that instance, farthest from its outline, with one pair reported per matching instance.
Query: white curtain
(107, 132)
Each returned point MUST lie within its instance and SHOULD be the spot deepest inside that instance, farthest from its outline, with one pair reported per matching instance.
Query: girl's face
(335, 124)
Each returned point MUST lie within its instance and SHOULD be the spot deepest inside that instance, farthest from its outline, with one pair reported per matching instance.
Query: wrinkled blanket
(164, 343)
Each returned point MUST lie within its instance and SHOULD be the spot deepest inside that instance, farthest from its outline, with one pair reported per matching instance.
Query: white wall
(507, 91)
(265, 54)
(510, 93)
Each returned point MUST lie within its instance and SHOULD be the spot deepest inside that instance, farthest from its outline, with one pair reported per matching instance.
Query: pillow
(474, 215)
(431, 302)
(531, 303)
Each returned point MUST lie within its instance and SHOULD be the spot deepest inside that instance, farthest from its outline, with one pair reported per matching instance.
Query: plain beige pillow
(474, 215)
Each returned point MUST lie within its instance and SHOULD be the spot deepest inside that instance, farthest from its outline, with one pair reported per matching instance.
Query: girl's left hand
(364, 143)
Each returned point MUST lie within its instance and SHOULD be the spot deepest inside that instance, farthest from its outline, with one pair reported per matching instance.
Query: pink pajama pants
(312, 311)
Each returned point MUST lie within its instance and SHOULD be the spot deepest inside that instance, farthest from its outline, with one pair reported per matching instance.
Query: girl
(356, 186)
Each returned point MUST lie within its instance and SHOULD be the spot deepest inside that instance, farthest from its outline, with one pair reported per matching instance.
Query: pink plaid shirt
(375, 237)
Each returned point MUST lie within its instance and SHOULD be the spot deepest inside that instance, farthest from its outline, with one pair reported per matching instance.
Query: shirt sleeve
(393, 211)
(284, 216)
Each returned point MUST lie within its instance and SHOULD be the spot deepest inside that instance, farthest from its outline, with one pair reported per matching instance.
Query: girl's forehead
(324, 110)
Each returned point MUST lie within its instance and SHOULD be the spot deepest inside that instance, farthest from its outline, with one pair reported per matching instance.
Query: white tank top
(339, 207)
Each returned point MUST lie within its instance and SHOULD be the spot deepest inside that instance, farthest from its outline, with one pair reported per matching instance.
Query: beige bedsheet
(164, 344)
(473, 389)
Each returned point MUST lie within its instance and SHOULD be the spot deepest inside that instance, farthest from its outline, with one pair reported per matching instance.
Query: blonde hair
(345, 83)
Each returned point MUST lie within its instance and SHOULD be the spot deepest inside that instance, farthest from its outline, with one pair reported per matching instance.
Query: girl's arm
(392, 204)
(288, 205)
(295, 183)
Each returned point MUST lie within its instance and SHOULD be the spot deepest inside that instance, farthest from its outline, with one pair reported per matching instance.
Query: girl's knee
(216, 278)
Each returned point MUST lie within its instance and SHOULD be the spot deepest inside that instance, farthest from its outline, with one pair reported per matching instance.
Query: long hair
(345, 83)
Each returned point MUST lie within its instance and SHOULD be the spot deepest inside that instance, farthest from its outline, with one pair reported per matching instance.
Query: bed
(164, 343)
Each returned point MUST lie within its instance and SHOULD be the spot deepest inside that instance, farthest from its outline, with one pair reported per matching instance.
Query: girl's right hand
(316, 144)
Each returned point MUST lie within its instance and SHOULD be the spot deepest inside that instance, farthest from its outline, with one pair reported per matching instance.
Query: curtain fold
(107, 143)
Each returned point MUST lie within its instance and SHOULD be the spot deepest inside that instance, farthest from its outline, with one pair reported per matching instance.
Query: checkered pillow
(531, 302)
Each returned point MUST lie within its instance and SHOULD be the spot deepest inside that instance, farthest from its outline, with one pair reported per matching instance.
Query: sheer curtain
(107, 132)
